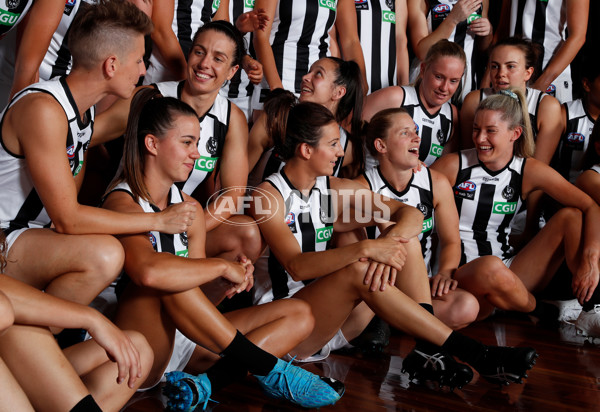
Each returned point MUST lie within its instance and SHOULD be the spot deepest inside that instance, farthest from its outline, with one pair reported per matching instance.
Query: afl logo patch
(551, 90)
(508, 193)
(71, 151)
(290, 220)
(441, 8)
(423, 208)
(183, 238)
(575, 138)
(152, 239)
(361, 4)
(416, 128)
(466, 190)
(211, 146)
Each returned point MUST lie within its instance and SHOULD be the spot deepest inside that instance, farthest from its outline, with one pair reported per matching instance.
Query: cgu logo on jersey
(183, 253)
(79, 167)
(324, 234)
(249, 4)
(436, 150)
(466, 190)
(328, 4)
(361, 4)
(215, 5)
(427, 225)
(388, 17)
(7, 18)
(504, 208)
(206, 163)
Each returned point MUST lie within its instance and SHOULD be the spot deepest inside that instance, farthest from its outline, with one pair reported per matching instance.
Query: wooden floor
(565, 378)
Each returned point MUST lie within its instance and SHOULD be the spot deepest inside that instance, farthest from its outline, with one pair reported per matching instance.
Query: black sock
(422, 345)
(87, 404)
(256, 360)
(467, 349)
(227, 370)
(594, 300)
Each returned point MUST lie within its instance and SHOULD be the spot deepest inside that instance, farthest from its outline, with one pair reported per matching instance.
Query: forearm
(563, 57)
(408, 223)
(311, 265)
(174, 274)
(444, 31)
(33, 307)
(170, 50)
(265, 56)
(449, 259)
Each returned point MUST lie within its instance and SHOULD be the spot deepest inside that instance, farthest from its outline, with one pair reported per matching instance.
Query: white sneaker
(588, 323)
(568, 310)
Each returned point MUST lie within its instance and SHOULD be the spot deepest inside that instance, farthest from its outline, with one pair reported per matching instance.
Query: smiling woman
(490, 182)
(428, 101)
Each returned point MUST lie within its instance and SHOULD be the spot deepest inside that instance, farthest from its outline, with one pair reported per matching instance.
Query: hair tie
(509, 93)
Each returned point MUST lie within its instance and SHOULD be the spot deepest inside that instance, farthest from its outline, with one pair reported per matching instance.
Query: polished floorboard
(565, 378)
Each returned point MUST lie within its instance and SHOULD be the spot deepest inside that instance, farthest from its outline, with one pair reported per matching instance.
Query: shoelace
(436, 360)
(308, 380)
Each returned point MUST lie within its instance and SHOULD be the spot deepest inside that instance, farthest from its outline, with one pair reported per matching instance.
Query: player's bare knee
(569, 217)
(145, 350)
(7, 315)
(107, 260)
(464, 311)
(303, 318)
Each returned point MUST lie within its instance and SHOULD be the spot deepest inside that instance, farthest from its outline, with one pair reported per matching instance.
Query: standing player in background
(560, 27)
(382, 32)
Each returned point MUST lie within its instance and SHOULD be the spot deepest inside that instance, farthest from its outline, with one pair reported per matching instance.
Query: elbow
(294, 271)
(65, 226)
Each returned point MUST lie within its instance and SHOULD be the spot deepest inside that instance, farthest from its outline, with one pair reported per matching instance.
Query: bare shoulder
(121, 201)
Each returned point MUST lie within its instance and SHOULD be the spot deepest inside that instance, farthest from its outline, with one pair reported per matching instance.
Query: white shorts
(507, 262)
(337, 342)
(183, 348)
(12, 237)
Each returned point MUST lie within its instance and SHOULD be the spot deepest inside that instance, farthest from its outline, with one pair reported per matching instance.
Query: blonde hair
(513, 106)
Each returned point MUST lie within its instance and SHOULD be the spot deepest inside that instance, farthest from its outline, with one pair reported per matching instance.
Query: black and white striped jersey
(20, 205)
(58, 61)
(311, 221)
(214, 126)
(188, 17)
(376, 20)
(300, 37)
(533, 98)
(433, 129)
(275, 162)
(542, 21)
(436, 14)
(418, 193)
(11, 13)
(486, 201)
(161, 242)
(239, 85)
(574, 142)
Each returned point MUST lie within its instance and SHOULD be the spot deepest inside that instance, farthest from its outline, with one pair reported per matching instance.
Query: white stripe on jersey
(438, 125)
(300, 37)
(311, 221)
(20, 205)
(376, 21)
(486, 202)
(213, 130)
(575, 141)
(418, 193)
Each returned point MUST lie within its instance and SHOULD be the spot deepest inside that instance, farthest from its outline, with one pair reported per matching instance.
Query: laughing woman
(490, 182)
(307, 205)
(163, 300)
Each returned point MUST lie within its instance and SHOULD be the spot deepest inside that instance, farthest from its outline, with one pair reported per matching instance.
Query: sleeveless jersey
(436, 14)
(213, 129)
(58, 61)
(239, 85)
(311, 221)
(300, 37)
(418, 193)
(487, 202)
(161, 242)
(188, 17)
(20, 205)
(573, 144)
(434, 130)
(376, 20)
(11, 14)
(533, 97)
(275, 162)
